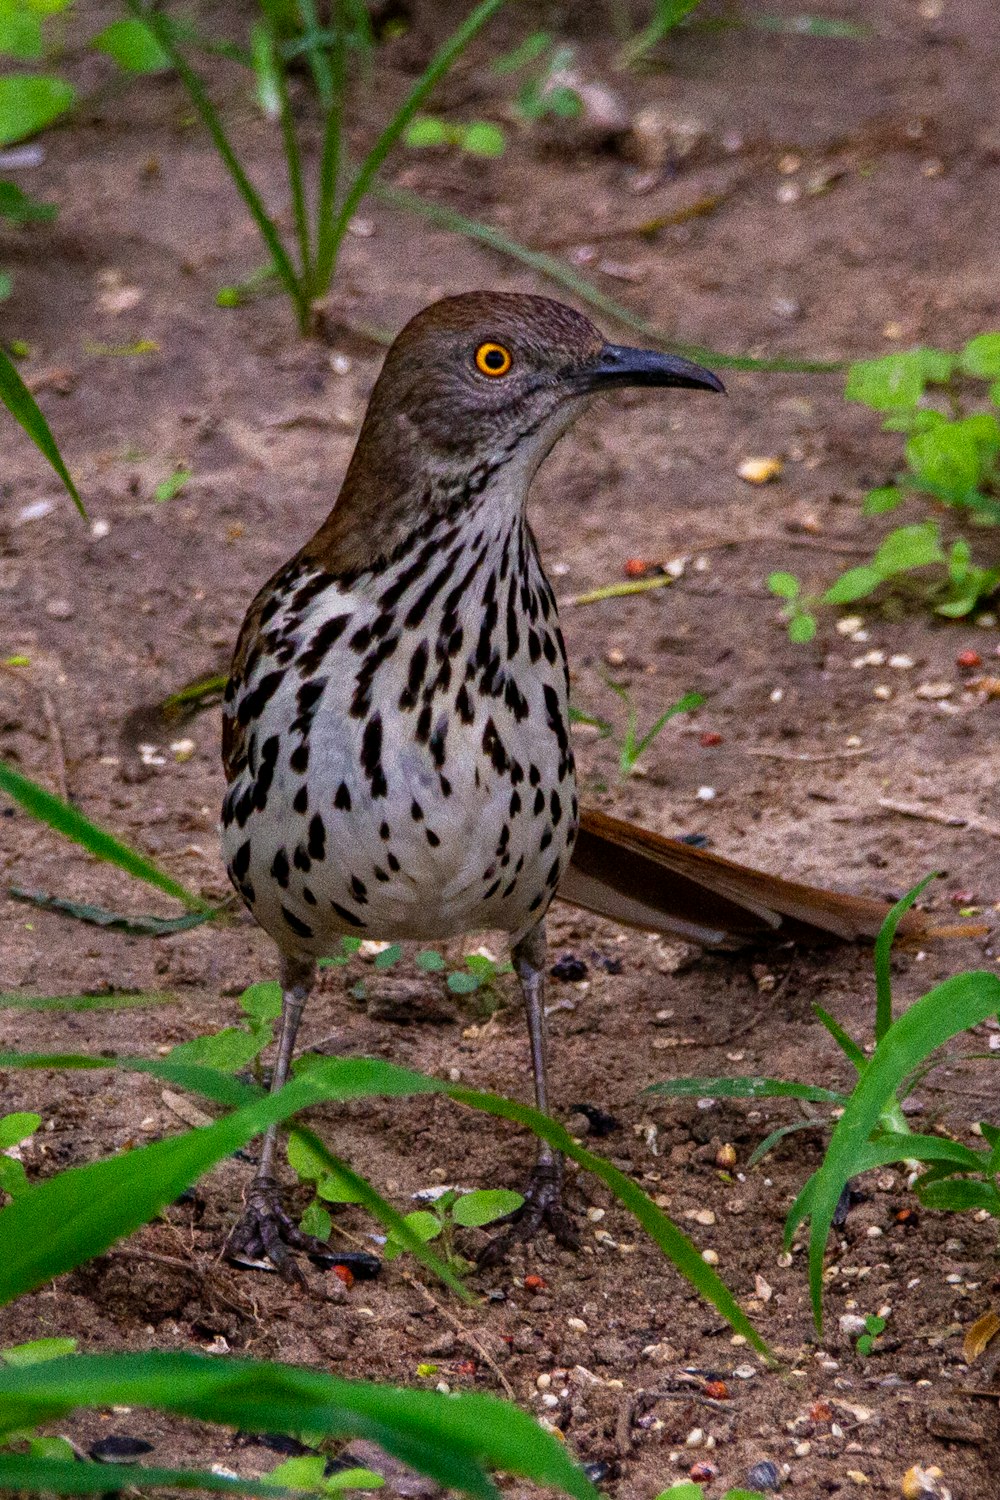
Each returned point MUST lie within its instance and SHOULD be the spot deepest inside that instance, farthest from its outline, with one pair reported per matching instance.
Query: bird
(396, 731)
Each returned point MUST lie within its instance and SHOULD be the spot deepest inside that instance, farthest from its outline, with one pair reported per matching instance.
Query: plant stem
(290, 145)
(210, 119)
(432, 74)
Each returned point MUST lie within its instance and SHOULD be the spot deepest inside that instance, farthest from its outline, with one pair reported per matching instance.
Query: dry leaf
(979, 1335)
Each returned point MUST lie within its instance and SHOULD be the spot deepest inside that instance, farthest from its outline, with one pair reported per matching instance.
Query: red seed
(536, 1283)
(344, 1274)
(717, 1389)
(635, 567)
(820, 1412)
(969, 658)
(702, 1471)
(710, 738)
(466, 1367)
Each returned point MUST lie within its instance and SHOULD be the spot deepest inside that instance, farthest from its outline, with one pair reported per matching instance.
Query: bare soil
(899, 247)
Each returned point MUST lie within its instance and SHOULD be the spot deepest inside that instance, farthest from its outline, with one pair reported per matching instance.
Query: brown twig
(808, 757)
(932, 815)
(56, 744)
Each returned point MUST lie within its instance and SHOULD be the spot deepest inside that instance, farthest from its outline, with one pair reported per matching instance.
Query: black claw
(542, 1208)
(262, 1238)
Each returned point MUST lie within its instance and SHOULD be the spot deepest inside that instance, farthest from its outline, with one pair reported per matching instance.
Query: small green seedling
(945, 406)
(169, 488)
(666, 15)
(687, 1490)
(543, 91)
(453, 1208)
(874, 1328)
(631, 744)
(308, 1473)
(14, 1129)
(476, 138)
(328, 1185)
(236, 1047)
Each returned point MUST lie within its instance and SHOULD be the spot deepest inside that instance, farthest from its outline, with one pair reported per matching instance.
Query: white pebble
(777, 694)
(901, 663)
(695, 1438)
(100, 529)
(35, 510)
(705, 794)
(710, 1257)
(577, 1325)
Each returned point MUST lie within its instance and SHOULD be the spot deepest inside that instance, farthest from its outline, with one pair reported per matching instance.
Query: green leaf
(426, 1226)
(13, 1177)
(430, 961)
(785, 585)
(426, 131)
(132, 45)
(16, 1128)
(908, 547)
(856, 583)
(948, 459)
(888, 383)
(72, 824)
(141, 924)
(262, 1001)
(229, 1050)
(981, 357)
(452, 1438)
(744, 1088)
(462, 984)
(482, 138)
(25, 410)
(311, 1162)
(19, 208)
(307, 1473)
(994, 393)
(844, 1041)
(389, 956)
(959, 1195)
(316, 1221)
(802, 628)
(169, 488)
(877, 502)
(37, 1352)
(29, 102)
(20, 32)
(946, 1010)
(485, 1206)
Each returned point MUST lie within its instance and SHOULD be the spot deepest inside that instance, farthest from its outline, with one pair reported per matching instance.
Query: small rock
(569, 969)
(599, 1122)
(59, 609)
(116, 1446)
(577, 1325)
(935, 690)
(764, 1476)
(725, 1157)
(658, 136)
(922, 1484)
(760, 470)
(852, 1326)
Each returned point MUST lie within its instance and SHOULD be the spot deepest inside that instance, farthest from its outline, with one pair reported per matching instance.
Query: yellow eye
(493, 359)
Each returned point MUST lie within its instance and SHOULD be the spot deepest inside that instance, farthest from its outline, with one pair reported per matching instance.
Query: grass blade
(123, 1001)
(942, 1013)
(452, 1438)
(164, 35)
(25, 410)
(331, 91)
(844, 1040)
(55, 1476)
(290, 144)
(745, 1088)
(770, 1141)
(143, 925)
(558, 271)
(883, 951)
(50, 809)
(438, 66)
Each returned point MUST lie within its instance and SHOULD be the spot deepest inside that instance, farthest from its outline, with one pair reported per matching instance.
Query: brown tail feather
(643, 879)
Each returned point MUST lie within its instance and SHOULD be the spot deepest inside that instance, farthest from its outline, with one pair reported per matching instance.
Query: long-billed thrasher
(396, 731)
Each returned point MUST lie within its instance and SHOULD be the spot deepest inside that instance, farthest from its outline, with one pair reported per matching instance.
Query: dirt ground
(900, 247)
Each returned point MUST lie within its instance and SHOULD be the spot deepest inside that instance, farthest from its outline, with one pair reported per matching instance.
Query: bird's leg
(266, 1231)
(543, 1194)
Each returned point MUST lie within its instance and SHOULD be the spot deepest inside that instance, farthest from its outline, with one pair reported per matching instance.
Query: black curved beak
(619, 365)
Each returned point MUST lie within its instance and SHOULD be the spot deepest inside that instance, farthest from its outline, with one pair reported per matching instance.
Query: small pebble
(710, 1257)
(760, 470)
(725, 1157)
(577, 1325)
(851, 1325)
(935, 690)
(695, 1438)
(901, 663)
(100, 529)
(59, 609)
(882, 692)
(803, 1449)
(849, 625)
(116, 1446)
(702, 1471)
(705, 794)
(764, 1476)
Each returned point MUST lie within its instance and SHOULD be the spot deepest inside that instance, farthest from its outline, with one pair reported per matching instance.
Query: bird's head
(478, 388)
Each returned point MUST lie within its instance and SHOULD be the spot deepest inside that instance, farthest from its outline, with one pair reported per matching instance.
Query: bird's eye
(493, 359)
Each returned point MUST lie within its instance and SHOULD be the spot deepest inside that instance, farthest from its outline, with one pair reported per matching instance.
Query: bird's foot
(542, 1208)
(266, 1234)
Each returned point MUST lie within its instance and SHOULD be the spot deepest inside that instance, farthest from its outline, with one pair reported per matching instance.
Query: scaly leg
(262, 1237)
(543, 1194)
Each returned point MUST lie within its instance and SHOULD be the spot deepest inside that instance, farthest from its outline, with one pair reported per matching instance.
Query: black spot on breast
(416, 811)
(392, 862)
(492, 890)
(308, 896)
(300, 802)
(345, 915)
(241, 860)
(317, 837)
(463, 704)
(326, 637)
(515, 804)
(545, 840)
(534, 646)
(359, 890)
(549, 647)
(515, 700)
(493, 747)
(301, 859)
(310, 590)
(437, 742)
(342, 798)
(536, 903)
(534, 775)
(555, 808)
(299, 758)
(253, 703)
(371, 756)
(552, 878)
(300, 928)
(539, 805)
(424, 600)
(361, 702)
(280, 869)
(432, 838)
(384, 831)
(415, 676)
(513, 637)
(379, 873)
(422, 732)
